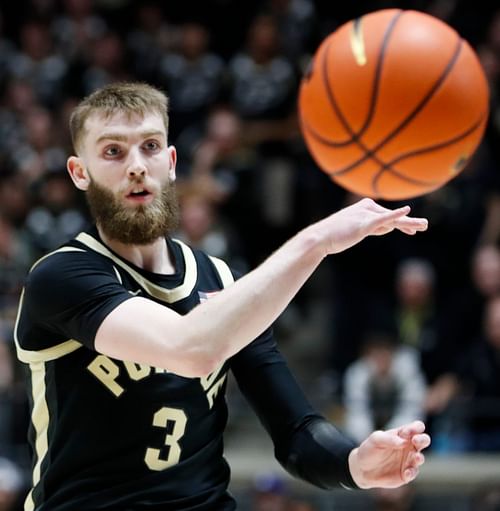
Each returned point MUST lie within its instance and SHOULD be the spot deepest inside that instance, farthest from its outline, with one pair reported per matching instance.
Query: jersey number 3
(175, 421)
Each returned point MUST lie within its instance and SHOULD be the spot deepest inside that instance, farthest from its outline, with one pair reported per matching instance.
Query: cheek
(106, 174)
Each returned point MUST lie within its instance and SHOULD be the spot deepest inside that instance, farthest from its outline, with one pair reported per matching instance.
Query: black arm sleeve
(318, 454)
(306, 444)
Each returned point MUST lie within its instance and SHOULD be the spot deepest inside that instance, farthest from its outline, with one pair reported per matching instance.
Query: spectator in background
(384, 388)
(416, 315)
(76, 29)
(215, 156)
(479, 379)
(15, 260)
(219, 157)
(263, 86)
(40, 152)
(464, 312)
(149, 40)
(296, 20)
(18, 100)
(263, 80)
(201, 226)
(194, 77)
(462, 323)
(56, 215)
(107, 62)
(14, 203)
(40, 64)
(15, 251)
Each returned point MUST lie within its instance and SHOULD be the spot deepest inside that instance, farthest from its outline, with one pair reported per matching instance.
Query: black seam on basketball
(388, 167)
(324, 68)
(422, 103)
(323, 140)
(378, 71)
(372, 152)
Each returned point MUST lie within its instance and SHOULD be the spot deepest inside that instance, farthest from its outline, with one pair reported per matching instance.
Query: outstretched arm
(195, 344)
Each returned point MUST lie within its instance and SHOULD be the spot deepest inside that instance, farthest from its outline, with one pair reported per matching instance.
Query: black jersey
(114, 435)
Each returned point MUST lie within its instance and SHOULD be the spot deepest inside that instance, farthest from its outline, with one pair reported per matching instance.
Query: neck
(154, 257)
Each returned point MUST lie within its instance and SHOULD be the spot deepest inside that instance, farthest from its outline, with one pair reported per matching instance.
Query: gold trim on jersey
(118, 276)
(62, 249)
(53, 352)
(40, 420)
(165, 295)
(223, 270)
(47, 354)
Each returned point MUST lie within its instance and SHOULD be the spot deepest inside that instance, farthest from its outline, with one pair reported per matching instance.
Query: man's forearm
(230, 320)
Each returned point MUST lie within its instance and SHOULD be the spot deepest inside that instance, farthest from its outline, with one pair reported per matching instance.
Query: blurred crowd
(414, 324)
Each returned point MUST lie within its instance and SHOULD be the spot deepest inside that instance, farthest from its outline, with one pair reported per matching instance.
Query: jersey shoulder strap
(222, 268)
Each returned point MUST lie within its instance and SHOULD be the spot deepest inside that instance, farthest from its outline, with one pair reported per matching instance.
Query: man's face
(131, 192)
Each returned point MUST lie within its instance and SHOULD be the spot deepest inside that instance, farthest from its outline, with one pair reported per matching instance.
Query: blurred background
(394, 329)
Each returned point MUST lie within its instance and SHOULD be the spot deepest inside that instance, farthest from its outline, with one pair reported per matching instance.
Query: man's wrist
(355, 469)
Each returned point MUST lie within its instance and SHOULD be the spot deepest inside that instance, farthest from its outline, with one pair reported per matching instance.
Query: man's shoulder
(71, 255)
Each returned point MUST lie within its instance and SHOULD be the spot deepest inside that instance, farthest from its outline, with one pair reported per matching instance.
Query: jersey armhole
(225, 274)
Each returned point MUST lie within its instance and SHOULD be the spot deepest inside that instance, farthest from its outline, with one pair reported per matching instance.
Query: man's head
(128, 98)
(124, 162)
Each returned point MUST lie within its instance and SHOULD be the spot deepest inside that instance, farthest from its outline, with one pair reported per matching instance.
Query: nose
(136, 166)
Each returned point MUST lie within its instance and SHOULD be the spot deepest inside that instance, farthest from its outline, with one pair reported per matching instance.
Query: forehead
(123, 123)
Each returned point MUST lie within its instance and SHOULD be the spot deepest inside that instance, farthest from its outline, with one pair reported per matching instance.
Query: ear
(78, 172)
(172, 162)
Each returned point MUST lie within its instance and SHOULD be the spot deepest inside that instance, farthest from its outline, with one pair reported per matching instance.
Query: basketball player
(129, 336)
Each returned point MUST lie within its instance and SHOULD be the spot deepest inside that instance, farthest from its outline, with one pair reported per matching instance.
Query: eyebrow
(119, 137)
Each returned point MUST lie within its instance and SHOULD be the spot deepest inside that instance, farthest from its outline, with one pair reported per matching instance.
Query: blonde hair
(128, 97)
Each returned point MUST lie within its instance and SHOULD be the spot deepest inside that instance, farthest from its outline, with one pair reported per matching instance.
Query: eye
(112, 151)
(152, 145)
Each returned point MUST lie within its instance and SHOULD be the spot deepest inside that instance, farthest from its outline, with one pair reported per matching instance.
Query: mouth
(139, 194)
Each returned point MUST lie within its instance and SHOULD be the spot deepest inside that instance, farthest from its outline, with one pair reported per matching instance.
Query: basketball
(393, 105)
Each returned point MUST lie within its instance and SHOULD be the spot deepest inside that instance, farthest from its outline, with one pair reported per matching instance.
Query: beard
(140, 225)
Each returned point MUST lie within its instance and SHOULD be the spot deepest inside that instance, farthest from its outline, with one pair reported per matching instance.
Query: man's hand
(388, 459)
(365, 218)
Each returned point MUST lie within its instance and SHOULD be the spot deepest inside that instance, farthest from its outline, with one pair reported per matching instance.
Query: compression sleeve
(305, 443)
(318, 453)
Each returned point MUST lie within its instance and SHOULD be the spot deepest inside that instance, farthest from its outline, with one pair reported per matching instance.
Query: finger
(414, 460)
(397, 219)
(408, 230)
(421, 441)
(410, 474)
(420, 224)
(388, 439)
(418, 459)
(411, 470)
(411, 429)
(375, 206)
(392, 214)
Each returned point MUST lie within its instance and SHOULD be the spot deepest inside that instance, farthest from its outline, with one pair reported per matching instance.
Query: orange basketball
(394, 104)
